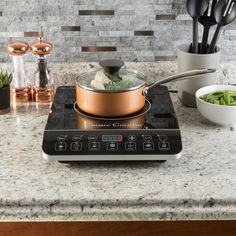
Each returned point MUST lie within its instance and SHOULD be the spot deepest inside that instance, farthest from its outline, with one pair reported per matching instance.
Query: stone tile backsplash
(90, 30)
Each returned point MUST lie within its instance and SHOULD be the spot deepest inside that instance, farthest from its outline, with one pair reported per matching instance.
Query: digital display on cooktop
(111, 138)
(158, 113)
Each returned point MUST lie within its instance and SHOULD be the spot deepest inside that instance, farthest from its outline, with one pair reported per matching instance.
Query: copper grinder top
(17, 48)
(41, 47)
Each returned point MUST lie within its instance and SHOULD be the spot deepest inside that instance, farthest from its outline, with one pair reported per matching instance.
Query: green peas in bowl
(217, 103)
(221, 97)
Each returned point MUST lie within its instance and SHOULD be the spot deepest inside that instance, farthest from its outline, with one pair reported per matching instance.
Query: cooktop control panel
(113, 143)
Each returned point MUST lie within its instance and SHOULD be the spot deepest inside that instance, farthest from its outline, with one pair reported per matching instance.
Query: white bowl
(218, 114)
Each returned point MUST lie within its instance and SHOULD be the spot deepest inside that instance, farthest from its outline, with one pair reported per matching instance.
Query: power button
(162, 137)
(60, 146)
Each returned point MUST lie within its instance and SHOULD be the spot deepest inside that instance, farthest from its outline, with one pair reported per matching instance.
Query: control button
(162, 137)
(75, 146)
(147, 137)
(147, 146)
(131, 138)
(92, 138)
(94, 146)
(61, 138)
(77, 137)
(130, 146)
(60, 146)
(164, 146)
(112, 146)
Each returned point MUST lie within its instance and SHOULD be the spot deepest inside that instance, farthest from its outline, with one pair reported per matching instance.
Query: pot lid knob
(41, 47)
(111, 67)
(17, 48)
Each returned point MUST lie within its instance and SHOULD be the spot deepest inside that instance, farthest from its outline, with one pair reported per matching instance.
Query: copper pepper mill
(20, 89)
(43, 90)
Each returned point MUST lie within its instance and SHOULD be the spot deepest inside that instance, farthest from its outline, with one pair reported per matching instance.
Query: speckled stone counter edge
(83, 212)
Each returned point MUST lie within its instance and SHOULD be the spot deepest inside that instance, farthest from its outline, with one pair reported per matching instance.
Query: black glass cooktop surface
(158, 113)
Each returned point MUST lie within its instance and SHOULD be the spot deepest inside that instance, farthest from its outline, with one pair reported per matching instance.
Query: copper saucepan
(114, 92)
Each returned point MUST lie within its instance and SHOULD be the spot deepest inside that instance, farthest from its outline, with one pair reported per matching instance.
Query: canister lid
(17, 48)
(41, 47)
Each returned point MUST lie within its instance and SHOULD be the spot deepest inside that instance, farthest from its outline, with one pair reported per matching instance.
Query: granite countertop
(200, 185)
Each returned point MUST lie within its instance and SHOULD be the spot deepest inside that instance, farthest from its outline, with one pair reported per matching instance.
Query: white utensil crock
(189, 61)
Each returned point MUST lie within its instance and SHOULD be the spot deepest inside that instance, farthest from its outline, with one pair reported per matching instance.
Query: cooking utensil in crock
(115, 92)
(207, 20)
(195, 9)
(225, 13)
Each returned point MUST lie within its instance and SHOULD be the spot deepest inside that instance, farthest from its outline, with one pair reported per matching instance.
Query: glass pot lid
(111, 78)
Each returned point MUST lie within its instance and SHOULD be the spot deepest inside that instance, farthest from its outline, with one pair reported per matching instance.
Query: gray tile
(96, 12)
(165, 17)
(143, 33)
(98, 49)
(32, 34)
(3, 49)
(70, 28)
(11, 34)
(165, 58)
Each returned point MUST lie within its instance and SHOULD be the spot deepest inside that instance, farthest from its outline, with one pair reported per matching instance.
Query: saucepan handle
(180, 76)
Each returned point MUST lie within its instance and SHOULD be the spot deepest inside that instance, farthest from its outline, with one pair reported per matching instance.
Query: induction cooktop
(151, 134)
